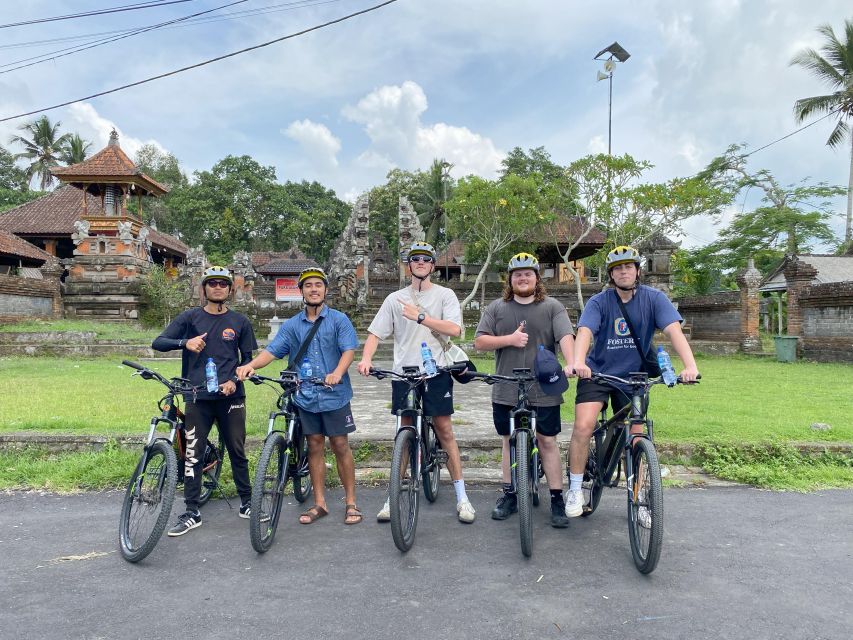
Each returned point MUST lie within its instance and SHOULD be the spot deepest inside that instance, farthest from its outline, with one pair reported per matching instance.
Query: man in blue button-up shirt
(324, 410)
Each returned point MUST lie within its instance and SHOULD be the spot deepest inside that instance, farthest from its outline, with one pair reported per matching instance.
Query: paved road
(737, 563)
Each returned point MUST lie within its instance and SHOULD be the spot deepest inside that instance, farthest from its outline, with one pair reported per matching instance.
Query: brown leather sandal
(353, 515)
(313, 514)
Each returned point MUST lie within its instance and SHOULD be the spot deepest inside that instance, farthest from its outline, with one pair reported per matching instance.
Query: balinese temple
(103, 243)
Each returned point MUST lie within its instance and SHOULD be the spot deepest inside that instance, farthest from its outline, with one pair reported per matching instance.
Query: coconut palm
(834, 67)
(43, 148)
(75, 150)
(430, 198)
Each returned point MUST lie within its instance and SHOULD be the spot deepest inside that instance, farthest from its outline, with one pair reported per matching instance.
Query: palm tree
(835, 68)
(75, 150)
(430, 199)
(43, 148)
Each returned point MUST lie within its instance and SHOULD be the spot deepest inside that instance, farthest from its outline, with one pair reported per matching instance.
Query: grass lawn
(107, 331)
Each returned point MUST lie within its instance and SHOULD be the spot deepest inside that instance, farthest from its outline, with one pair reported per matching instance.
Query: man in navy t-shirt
(614, 352)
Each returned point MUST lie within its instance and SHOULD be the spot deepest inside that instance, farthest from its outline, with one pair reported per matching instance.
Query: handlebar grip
(256, 379)
(133, 365)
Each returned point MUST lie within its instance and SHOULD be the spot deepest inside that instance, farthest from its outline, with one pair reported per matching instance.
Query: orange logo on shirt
(229, 334)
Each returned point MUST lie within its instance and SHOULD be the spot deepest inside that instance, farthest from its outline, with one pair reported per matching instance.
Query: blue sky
(466, 81)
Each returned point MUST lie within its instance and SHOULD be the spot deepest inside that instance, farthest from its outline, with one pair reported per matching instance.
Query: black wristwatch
(421, 317)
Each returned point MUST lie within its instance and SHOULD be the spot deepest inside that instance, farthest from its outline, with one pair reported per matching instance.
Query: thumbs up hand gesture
(519, 337)
(197, 344)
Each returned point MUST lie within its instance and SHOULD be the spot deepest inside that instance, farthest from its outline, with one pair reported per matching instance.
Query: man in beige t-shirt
(410, 316)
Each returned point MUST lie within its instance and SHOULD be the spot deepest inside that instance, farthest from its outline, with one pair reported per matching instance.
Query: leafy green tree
(534, 161)
(43, 148)
(14, 187)
(313, 219)
(384, 202)
(490, 216)
(166, 169)
(75, 150)
(163, 297)
(791, 219)
(834, 68)
(432, 190)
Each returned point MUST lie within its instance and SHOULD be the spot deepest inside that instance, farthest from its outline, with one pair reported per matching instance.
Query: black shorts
(337, 422)
(437, 394)
(590, 391)
(547, 419)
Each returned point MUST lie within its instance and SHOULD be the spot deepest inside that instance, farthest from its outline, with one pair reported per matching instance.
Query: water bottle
(305, 369)
(211, 377)
(666, 370)
(429, 361)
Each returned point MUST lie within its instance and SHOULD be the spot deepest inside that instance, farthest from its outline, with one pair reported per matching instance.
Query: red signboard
(286, 289)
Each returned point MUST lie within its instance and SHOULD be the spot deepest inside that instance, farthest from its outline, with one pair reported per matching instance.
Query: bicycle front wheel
(302, 486)
(535, 473)
(524, 490)
(148, 501)
(431, 467)
(645, 506)
(403, 490)
(267, 492)
(211, 468)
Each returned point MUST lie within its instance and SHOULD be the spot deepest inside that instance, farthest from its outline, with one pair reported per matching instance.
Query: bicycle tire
(211, 468)
(299, 470)
(431, 473)
(592, 485)
(523, 490)
(148, 501)
(535, 473)
(646, 492)
(403, 491)
(268, 492)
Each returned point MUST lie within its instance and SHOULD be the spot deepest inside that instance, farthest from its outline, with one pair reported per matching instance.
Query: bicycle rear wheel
(403, 491)
(524, 489)
(148, 501)
(645, 506)
(302, 486)
(267, 492)
(535, 473)
(211, 468)
(431, 471)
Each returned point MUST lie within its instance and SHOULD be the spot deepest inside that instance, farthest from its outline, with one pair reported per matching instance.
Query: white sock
(459, 485)
(575, 481)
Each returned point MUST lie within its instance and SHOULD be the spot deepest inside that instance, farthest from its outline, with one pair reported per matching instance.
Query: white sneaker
(644, 517)
(574, 504)
(466, 511)
(384, 514)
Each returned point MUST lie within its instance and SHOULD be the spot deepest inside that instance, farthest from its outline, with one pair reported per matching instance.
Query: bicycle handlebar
(175, 385)
(607, 379)
(492, 378)
(414, 376)
(287, 378)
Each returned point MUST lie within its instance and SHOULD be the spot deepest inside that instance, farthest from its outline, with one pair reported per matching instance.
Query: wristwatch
(421, 317)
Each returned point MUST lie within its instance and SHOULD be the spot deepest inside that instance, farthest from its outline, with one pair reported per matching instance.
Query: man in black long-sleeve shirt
(212, 331)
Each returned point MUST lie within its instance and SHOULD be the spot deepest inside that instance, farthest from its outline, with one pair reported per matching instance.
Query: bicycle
(525, 464)
(610, 447)
(284, 457)
(151, 490)
(417, 457)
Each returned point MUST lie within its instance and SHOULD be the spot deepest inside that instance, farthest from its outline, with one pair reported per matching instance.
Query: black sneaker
(558, 515)
(507, 505)
(189, 520)
(245, 510)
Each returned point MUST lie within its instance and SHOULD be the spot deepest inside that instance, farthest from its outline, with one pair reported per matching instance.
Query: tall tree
(75, 150)
(433, 188)
(14, 187)
(384, 202)
(833, 66)
(491, 216)
(43, 148)
(165, 168)
(313, 218)
(524, 164)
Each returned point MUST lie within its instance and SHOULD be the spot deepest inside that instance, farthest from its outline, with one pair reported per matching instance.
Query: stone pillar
(748, 281)
(362, 253)
(798, 276)
(51, 271)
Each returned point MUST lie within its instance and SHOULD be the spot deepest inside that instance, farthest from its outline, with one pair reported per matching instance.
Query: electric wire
(153, 4)
(204, 62)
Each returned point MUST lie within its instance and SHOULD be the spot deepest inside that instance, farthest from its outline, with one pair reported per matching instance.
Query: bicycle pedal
(441, 456)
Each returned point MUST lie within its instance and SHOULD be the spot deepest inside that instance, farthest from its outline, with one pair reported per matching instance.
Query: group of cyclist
(524, 328)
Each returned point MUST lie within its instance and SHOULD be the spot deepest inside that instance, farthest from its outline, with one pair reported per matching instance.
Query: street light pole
(617, 52)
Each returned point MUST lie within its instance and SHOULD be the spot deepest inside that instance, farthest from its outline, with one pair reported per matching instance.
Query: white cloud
(84, 119)
(597, 144)
(316, 140)
(391, 117)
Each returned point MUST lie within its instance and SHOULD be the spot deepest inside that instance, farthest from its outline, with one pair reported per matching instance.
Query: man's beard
(526, 293)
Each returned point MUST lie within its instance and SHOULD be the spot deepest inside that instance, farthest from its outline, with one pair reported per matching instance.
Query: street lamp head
(615, 50)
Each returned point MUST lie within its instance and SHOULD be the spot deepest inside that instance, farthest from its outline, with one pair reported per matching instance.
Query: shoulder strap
(630, 326)
(303, 348)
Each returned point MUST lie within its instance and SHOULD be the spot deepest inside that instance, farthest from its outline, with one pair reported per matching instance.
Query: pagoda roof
(54, 215)
(109, 165)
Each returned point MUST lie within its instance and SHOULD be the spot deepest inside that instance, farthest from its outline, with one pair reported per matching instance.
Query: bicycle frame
(414, 410)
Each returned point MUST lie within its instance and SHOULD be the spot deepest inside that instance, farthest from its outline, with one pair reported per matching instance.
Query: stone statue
(81, 231)
(125, 231)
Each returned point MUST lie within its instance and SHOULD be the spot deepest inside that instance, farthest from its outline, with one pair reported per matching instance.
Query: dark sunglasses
(426, 259)
(222, 284)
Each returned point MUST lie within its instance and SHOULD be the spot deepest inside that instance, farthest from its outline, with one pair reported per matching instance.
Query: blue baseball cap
(549, 373)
